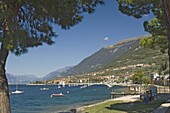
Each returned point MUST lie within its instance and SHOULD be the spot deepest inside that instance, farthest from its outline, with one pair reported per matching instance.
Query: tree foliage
(156, 27)
(163, 68)
(28, 23)
(140, 78)
(157, 42)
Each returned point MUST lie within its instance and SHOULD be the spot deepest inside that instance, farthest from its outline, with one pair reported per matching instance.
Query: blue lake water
(33, 100)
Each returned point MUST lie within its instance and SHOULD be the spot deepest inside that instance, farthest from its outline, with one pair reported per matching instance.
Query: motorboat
(57, 94)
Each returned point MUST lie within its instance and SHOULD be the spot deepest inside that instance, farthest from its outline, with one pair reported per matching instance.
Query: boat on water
(58, 87)
(84, 86)
(44, 89)
(57, 94)
(109, 84)
(17, 91)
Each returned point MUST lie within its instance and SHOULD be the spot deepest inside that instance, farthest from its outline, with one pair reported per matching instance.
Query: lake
(33, 100)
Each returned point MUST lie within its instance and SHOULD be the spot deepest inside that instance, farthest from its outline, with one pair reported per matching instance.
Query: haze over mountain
(21, 79)
(24, 79)
(55, 74)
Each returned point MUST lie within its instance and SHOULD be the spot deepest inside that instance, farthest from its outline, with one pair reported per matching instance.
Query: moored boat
(44, 89)
(17, 92)
(84, 86)
(57, 94)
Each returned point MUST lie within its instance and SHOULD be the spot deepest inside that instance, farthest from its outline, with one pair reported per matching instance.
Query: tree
(158, 27)
(163, 68)
(146, 80)
(140, 78)
(156, 42)
(137, 77)
(28, 23)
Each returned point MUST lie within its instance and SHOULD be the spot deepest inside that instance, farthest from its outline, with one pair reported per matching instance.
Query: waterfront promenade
(128, 98)
(131, 99)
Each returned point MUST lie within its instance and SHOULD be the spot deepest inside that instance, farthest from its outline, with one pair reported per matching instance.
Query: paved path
(128, 98)
(164, 108)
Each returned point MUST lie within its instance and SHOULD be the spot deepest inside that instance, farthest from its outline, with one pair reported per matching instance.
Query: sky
(106, 26)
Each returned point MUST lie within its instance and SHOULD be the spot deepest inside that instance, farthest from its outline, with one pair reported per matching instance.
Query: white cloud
(106, 38)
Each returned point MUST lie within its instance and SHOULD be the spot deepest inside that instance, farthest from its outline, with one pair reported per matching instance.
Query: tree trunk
(168, 36)
(166, 9)
(4, 92)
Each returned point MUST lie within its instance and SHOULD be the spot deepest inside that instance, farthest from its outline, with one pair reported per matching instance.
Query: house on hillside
(155, 76)
(53, 81)
(83, 80)
(167, 76)
(126, 77)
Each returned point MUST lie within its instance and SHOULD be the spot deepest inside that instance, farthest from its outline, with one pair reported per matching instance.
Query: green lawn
(124, 107)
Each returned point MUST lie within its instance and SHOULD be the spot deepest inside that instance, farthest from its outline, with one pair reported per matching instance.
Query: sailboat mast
(17, 83)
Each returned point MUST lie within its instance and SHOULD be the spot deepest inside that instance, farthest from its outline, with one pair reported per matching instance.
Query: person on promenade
(146, 97)
(150, 95)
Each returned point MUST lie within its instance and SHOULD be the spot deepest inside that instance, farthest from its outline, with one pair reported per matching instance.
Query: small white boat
(84, 86)
(44, 89)
(59, 87)
(17, 92)
(57, 94)
(108, 85)
(63, 84)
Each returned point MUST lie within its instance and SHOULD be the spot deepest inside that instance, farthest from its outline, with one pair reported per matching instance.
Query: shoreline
(128, 98)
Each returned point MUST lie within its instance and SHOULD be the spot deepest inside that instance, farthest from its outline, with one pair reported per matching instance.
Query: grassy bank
(121, 106)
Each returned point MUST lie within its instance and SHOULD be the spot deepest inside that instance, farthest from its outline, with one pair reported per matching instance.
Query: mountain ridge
(56, 73)
(104, 56)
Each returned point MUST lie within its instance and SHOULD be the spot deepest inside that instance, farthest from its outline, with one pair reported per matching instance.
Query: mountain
(55, 74)
(124, 53)
(146, 59)
(27, 78)
(22, 79)
(11, 78)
